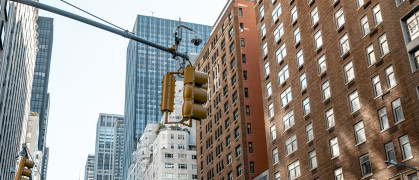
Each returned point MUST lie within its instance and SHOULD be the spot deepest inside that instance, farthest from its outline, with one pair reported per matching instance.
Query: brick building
(340, 87)
(231, 141)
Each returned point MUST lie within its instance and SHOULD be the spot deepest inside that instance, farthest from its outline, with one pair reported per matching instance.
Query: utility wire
(97, 17)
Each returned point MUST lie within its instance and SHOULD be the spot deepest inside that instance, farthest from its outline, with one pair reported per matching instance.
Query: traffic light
(24, 168)
(168, 93)
(194, 94)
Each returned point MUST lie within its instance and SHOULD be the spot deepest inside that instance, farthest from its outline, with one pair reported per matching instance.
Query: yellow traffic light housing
(168, 93)
(24, 168)
(194, 94)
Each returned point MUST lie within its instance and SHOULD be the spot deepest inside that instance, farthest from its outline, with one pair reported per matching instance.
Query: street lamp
(398, 164)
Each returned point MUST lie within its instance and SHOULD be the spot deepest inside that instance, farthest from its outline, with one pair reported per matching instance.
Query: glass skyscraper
(144, 73)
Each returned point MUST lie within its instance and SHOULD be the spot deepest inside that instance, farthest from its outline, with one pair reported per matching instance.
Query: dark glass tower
(40, 95)
(144, 74)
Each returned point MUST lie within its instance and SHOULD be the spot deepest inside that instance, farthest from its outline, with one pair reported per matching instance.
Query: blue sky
(88, 71)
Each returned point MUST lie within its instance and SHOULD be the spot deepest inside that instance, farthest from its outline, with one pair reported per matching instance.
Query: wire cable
(96, 17)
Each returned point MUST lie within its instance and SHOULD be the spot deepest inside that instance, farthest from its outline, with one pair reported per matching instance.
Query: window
(236, 114)
(250, 147)
(297, 35)
(306, 106)
(246, 92)
(226, 106)
(364, 161)
(382, 116)
(326, 90)
(276, 12)
(244, 58)
(376, 86)
(267, 69)
(242, 42)
(181, 146)
(241, 27)
(303, 82)
(265, 49)
(376, 12)
(275, 158)
(223, 44)
(233, 80)
(405, 147)
(370, 55)
(415, 59)
(338, 174)
(169, 165)
(277, 176)
(234, 96)
(183, 166)
(383, 45)
(294, 170)
(236, 132)
(240, 12)
(224, 74)
(230, 33)
(334, 147)
(279, 31)
(268, 89)
(180, 136)
(168, 155)
(263, 30)
(390, 77)
(286, 97)
(245, 75)
(322, 64)
(283, 74)
(271, 110)
(227, 123)
(398, 2)
(390, 154)
(230, 175)
(344, 44)
(231, 47)
(313, 159)
(261, 12)
(300, 58)
(397, 110)
(359, 3)
(252, 167)
(294, 14)
(412, 24)
(413, 176)
(229, 159)
(318, 39)
(194, 176)
(247, 110)
(359, 132)
(169, 175)
(354, 101)
(330, 118)
(249, 128)
(238, 151)
(314, 16)
(291, 144)
(225, 90)
(309, 132)
(239, 170)
(273, 132)
(364, 26)
(228, 140)
(349, 72)
(281, 53)
(288, 120)
(339, 17)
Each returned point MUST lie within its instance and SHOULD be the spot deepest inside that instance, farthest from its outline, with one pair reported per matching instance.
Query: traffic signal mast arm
(125, 34)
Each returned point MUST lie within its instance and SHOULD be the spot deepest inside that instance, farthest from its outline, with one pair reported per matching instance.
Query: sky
(87, 75)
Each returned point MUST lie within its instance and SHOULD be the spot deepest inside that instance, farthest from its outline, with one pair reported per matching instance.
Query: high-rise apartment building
(17, 61)
(89, 167)
(144, 73)
(108, 151)
(340, 87)
(231, 140)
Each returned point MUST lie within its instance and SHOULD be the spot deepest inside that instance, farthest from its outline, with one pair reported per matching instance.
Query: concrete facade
(231, 140)
(348, 101)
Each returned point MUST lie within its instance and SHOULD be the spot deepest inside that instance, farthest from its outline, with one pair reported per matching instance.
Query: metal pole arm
(125, 34)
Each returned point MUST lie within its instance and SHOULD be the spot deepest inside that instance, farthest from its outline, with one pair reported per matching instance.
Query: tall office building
(231, 140)
(89, 167)
(45, 158)
(340, 87)
(17, 61)
(145, 69)
(40, 95)
(108, 151)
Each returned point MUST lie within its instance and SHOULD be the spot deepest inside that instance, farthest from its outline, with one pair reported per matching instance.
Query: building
(31, 140)
(108, 150)
(231, 141)
(144, 74)
(45, 158)
(40, 95)
(340, 87)
(89, 167)
(17, 62)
